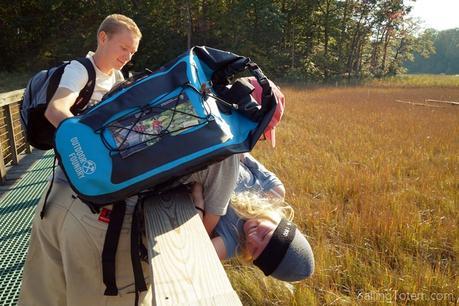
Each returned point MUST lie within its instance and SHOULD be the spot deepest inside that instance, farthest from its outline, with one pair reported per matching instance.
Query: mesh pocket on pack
(146, 127)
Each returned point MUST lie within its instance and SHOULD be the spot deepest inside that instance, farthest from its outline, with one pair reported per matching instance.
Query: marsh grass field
(375, 187)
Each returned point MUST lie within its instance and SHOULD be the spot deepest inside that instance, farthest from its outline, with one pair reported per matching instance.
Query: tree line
(290, 39)
(446, 56)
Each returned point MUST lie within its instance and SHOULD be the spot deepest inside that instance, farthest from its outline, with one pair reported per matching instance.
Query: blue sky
(437, 14)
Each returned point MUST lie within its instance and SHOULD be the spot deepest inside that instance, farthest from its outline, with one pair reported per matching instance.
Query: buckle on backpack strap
(256, 71)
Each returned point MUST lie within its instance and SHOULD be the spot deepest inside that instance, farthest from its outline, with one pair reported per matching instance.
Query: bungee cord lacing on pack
(141, 127)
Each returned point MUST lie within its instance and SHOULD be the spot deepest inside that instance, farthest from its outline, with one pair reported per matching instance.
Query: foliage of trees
(290, 39)
(446, 57)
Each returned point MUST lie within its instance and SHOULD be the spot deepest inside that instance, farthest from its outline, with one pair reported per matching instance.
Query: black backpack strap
(136, 250)
(43, 209)
(110, 246)
(239, 94)
(88, 89)
(54, 80)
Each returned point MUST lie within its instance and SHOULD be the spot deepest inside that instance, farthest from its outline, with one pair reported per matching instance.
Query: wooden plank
(441, 101)
(417, 104)
(21, 142)
(11, 97)
(12, 140)
(185, 267)
(11, 137)
(28, 148)
(2, 149)
(2, 167)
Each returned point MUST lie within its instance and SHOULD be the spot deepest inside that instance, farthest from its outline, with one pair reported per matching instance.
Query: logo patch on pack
(104, 215)
(80, 163)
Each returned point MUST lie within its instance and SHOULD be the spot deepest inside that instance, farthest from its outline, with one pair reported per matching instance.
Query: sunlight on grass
(375, 187)
(417, 80)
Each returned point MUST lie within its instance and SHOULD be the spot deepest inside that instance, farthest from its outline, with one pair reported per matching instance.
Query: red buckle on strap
(104, 215)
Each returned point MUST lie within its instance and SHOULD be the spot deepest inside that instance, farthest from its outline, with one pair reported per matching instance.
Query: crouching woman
(258, 228)
(260, 231)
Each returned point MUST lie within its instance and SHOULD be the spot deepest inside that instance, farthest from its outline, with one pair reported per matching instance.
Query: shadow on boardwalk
(25, 183)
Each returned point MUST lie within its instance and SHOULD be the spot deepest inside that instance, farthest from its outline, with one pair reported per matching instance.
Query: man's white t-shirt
(75, 77)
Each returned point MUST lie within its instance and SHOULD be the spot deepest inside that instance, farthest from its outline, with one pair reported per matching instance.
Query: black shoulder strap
(136, 250)
(111, 244)
(88, 89)
(110, 247)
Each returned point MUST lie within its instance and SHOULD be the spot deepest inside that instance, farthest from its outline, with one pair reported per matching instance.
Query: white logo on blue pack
(89, 167)
(80, 163)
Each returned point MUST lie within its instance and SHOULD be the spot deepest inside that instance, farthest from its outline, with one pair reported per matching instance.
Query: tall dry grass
(417, 80)
(375, 187)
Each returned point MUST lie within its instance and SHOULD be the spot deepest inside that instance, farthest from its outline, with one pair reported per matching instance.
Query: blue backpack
(39, 91)
(155, 128)
(163, 126)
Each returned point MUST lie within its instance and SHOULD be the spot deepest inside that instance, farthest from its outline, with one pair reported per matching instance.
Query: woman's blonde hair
(249, 205)
(116, 22)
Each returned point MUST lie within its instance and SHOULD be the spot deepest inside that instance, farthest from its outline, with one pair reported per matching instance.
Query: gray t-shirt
(218, 182)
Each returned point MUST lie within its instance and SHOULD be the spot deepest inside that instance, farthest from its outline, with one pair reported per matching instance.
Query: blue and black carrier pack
(155, 128)
(164, 125)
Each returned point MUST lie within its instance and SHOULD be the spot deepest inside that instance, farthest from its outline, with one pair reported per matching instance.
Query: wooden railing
(12, 137)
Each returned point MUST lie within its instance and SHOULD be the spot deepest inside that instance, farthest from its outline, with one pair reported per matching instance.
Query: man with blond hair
(118, 38)
(63, 265)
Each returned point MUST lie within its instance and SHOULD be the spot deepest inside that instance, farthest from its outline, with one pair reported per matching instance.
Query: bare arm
(198, 198)
(59, 107)
(277, 192)
(209, 220)
(219, 247)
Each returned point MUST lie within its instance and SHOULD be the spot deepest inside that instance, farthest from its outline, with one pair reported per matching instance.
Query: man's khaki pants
(64, 261)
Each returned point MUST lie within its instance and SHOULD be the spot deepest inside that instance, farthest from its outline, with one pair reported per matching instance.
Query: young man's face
(118, 49)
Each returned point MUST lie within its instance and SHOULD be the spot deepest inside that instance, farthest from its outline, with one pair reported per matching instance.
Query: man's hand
(59, 107)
